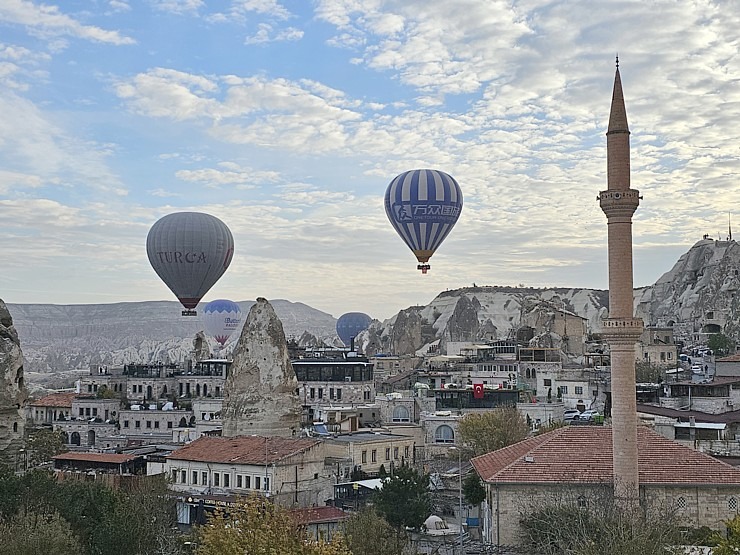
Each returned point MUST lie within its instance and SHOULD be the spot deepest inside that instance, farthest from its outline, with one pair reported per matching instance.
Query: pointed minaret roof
(618, 115)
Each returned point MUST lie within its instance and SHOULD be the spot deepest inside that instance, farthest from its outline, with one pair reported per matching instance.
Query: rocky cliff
(62, 337)
(13, 395)
(261, 396)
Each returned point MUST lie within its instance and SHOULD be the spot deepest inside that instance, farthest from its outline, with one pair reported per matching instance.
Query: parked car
(570, 414)
(587, 415)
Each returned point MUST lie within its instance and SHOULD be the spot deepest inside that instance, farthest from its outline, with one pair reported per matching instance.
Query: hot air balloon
(221, 318)
(423, 206)
(351, 324)
(190, 251)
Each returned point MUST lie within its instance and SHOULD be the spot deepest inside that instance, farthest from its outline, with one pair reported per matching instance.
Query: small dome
(435, 523)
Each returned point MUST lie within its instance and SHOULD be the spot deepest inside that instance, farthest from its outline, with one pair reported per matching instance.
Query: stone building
(368, 451)
(13, 394)
(51, 408)
(213, 471)
(531, 473)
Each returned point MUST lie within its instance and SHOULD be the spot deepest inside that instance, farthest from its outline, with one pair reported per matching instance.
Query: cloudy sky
(288, 118)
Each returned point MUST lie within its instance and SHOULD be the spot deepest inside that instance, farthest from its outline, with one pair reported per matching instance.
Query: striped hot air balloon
(190, 251)
(423, 207)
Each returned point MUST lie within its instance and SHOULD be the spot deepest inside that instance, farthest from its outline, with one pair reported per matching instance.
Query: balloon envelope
(351, 324)
(423, 207)
(190, 251)
(221, 317)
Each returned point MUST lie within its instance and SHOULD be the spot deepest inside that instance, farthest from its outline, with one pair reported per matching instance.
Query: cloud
(264, 35)
(240, 10)
(178, 7)
(229, 174)
(50, 21)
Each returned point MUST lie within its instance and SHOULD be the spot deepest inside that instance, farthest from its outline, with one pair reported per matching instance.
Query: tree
(43, 444)
(255, 526)
(473, 489)
(368, 533)
(647, 372)
(729, 544)
(104, 392)
(31, 533)
(596, 525)
(492, 430)
(405, 501)
(720, 344)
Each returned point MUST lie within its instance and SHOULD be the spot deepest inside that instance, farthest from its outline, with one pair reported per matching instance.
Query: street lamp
(459, 470)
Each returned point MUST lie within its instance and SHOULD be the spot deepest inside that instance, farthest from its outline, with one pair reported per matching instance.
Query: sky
(287, 119)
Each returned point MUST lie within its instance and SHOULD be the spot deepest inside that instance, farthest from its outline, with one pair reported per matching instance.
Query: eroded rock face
(13, 394)
(260, 392)
(200, 347)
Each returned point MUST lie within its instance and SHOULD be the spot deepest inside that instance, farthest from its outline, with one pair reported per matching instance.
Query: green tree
(405, 501)
(254, 526)
(473, 489)
(31, 533)
(720, 344)
(368, 533)
(728, 544)
(492, 430)
(42, 445)
(647, 372)
(104, 392)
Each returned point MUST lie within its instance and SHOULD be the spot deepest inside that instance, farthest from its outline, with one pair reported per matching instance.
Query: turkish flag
(478, 391)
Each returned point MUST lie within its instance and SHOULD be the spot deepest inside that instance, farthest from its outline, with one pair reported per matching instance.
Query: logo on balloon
(406, 211)
(179, 257)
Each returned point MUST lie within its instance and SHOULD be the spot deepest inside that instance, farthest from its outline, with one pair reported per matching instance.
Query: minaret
(621, 330)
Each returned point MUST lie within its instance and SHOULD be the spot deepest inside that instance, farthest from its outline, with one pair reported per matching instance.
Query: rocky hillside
(63, 337)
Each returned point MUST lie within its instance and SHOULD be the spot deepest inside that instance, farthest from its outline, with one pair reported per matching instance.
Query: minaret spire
(621, 329)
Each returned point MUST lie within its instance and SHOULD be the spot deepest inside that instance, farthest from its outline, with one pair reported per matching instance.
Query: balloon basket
(423, 267)
(189, 313)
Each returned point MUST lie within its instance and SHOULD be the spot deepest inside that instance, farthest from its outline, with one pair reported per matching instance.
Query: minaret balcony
(616, 330)
(616, 203)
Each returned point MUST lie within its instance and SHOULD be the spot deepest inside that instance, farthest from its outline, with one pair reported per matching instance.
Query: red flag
(477, 391)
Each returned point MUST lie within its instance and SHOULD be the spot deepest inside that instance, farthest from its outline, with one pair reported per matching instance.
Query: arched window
(15, 426)
(401, 414)
(75, 438)
(528, 373)
(444, 434)
(183, 423)
(534, 372)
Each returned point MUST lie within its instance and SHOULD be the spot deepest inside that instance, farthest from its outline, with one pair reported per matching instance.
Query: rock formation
(260, 391)
(201, 350)
(13, 395)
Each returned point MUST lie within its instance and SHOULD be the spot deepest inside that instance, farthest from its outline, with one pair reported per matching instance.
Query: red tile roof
(114, 458)
(317, 515)
(577, 454)
(242, 449)
(63, 400)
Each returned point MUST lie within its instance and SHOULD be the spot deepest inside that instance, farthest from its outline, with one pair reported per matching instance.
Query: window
(125, 423)
(195, 477)
(579, 390)
(257, 482)
(387, 453)
(582, 502)
(331, 393)
(321, 393)
(401, 414)
(247, 482)
(339, 394)
(204, 478)
(444, 434)
(137, 424)
(216, 479)
(174, 475)
(374, 455)
(395, 453)
(95, 412)
(366, 395)
(564, 389)
(227, 479)
(238, 480)
(148, 423)
(267, 484)
(364, 457)
(312, 394)
(184, 477)
(406, 451)
(156, 423)
(548, 382)
(169, 424)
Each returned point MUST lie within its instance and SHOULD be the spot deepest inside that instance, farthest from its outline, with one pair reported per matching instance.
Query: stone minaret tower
(621, 330)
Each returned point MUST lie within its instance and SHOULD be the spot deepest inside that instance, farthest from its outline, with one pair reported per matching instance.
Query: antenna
(617, 60)
(729, 226)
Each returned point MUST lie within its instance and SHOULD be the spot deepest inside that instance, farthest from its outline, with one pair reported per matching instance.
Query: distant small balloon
(221, 318)
(351, 324)
(190, 251)
(423, 207)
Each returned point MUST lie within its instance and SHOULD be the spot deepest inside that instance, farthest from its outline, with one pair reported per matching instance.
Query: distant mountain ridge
(62, 337)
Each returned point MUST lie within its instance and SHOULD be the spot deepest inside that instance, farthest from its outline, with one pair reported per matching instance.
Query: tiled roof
(63, 400)
(728, 417)
(113, 458)
(576, 454)
(242, 449)
(317, 515)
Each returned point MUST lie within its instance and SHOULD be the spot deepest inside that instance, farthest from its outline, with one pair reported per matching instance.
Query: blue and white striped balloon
(221, 318)
(423, 207)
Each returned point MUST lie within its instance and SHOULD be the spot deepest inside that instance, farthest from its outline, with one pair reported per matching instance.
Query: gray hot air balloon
(190, 251)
